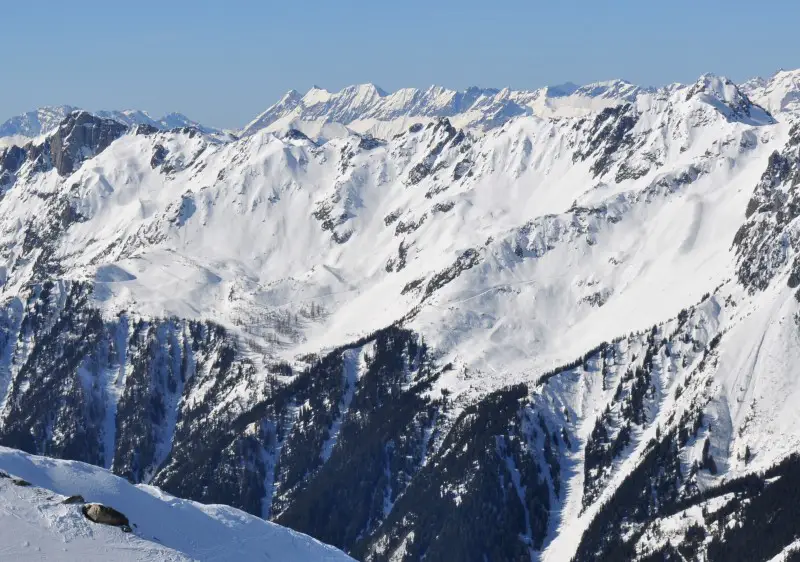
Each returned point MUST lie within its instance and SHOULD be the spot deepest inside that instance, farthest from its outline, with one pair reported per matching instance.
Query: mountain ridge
(356, 105)
(45, 120)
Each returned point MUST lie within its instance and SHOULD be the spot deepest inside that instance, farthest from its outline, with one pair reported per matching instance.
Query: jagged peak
(720, 86)
(366, 89)
(478, 90)
(616, 88)
(779, 93)
(75, 115)
(721, 93)
(316, 95)
(291, 97)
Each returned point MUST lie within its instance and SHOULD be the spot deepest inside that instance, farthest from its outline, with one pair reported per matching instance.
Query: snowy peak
(726, 97)
(347, 105)
(363, 93)
(719, 87)
(480, 108)
(778, 94)
(44, 121)
(287, 104)
(132, 117)
(561, 90)
(290, 99)
(611, 89)
(37, 122)
(367, 108)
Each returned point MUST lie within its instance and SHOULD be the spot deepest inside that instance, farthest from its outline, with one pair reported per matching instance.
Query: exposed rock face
(80, 136)
(104, 515)
(74, 499)
(764, 243)
(148, 363)
(11, 159)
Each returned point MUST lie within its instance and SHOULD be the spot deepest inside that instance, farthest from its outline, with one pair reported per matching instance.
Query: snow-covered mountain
(778, 94)
(41, 519)
(570, 335)
(45, 120)
(34, 123)
(365, 108)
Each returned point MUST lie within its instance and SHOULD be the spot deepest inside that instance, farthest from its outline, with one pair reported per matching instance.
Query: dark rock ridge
(761, 243)
(81, 136)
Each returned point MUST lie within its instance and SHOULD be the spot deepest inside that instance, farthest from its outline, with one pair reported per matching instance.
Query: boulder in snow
(105, 515)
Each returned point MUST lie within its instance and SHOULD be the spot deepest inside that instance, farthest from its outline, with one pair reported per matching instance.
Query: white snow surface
(36, 525)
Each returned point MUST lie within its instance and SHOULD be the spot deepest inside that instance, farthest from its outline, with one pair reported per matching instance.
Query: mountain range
(554, 325)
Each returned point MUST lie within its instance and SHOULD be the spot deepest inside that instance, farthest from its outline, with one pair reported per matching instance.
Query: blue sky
(224, 62)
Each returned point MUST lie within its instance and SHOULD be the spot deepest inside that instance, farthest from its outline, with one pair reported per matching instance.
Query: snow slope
(35, 524)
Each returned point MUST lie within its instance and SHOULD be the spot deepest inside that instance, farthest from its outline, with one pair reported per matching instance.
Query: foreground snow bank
(36, 524)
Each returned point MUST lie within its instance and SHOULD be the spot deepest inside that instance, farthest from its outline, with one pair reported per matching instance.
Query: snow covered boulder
(99, 513)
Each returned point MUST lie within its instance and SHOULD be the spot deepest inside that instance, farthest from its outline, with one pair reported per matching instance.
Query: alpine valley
(559, 324)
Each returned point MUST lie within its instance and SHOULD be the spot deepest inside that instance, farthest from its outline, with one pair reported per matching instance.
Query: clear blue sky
(223, 62)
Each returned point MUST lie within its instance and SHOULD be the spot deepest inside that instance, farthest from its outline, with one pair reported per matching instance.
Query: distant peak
(615, 88)
(782, 73)
(368, 89)
(562, 90)
(711, 81)
(290, 97)
(172, 114)
(719, 86)
(315, 95)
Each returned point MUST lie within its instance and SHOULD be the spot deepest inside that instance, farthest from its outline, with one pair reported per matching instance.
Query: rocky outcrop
(99, 513)
(11, 159)
(76, 499)
(769, 239)
(81, 136)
